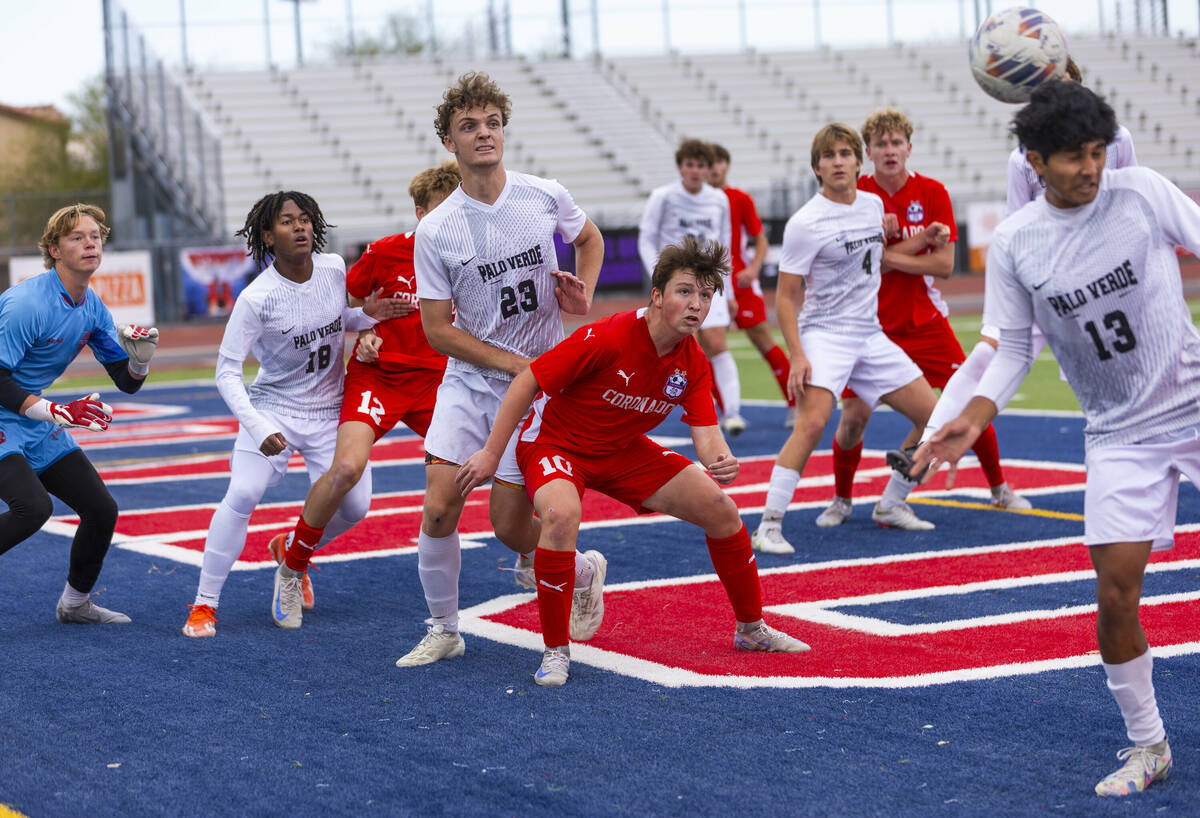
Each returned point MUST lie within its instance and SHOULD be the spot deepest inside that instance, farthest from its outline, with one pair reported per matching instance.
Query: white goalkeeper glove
(85, 413)
(139, 344)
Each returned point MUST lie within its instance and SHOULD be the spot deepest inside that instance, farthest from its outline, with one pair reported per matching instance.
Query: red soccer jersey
(908, 301)
(742, 213)
(606, 385)
(388, 263)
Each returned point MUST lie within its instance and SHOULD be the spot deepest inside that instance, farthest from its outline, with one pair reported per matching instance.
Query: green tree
(402, 35)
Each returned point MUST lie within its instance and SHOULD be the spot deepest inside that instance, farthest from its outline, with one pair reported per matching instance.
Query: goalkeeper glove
(139, 344)
(85, 413)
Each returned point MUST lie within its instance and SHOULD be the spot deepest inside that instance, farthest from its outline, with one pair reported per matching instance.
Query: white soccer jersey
(494, 262)
(672, 213)
(1102, 281)
(296, 331)
(837, 248)
(1024, 185)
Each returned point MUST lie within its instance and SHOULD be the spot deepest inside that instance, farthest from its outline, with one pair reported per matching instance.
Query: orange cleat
(202, 621)
(277, 546)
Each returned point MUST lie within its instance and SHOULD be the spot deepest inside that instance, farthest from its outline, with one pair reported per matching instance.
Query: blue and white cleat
(761, 637)
(287, 605)
(555, 663)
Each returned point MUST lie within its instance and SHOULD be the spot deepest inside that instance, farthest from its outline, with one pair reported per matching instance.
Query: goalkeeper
(44, 322)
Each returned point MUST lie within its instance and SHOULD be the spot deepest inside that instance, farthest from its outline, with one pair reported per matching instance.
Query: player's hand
(367, 349)
(139, 343)
(746, 277)
(798, 377)
(273, 445)
(724, 469)
(937, 235)
(947, 446)
(384, 309)
(571, 293)
(86, 413)
(477, 470)
(891, 226)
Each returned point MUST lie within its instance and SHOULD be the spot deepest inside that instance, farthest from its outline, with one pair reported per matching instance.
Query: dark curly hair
(265, 211)
(1063, 116)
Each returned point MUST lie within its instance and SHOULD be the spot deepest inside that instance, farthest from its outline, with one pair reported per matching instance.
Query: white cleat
(836, 514)
(768, 538)
(1141, 769)
(733, 425)
(523, 573)
(437, 644)
(587, 606)
(1004, 497)
(287, 605)
(900, 516)
(761, 637)
(87, 613)
(555, 664)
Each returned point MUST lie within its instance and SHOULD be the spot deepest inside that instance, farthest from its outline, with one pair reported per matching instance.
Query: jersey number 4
(1119, 325)
(521, 299)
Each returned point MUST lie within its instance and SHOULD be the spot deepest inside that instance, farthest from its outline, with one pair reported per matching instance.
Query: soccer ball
(1015, 51)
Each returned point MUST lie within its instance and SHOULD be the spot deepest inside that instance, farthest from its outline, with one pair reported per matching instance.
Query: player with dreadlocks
(292, 318)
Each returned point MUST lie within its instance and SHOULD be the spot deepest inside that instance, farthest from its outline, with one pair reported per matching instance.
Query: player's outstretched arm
(383, 309)
(139, 344)
(952, 441)
(714, 454)
(438, 323)
(480, 467)
(88, 412)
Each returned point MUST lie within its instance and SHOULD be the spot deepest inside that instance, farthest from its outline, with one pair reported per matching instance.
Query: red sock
(738, 572)
(777, 359)
(845, 464)
(716, 393)
(988, 452)
(555, 572)
(304, 542)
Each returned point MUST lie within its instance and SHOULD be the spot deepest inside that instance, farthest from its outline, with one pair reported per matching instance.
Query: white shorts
(466, 407)
(872, 366)
(719, 314)
(1133, 490)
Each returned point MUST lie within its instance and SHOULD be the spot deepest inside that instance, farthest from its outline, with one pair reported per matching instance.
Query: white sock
(223, 545)
(725, 372)
(584, 571)
(71, 597)
(960, 388)
(783, 486)
(439, 562)
(1133, 687)
(897, 491)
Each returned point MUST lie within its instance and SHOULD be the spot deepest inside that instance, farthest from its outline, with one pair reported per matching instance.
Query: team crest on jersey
(916, 213)
(675, 384)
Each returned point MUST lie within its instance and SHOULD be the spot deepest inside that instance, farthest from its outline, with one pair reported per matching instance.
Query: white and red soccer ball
(1015, 51)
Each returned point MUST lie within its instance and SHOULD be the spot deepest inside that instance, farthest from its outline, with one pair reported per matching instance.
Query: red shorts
(751, 309)
(630, 475)
(934, 348)
(381, 398)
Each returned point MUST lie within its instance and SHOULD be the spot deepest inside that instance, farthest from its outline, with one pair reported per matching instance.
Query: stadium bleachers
(354, 134)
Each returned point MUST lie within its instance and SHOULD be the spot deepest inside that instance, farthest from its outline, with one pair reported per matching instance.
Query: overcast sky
(51, 46)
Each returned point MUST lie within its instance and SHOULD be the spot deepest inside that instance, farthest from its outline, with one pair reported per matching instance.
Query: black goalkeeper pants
(73, 479)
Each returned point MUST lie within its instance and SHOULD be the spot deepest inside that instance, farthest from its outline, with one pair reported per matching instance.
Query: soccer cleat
(768, 538)
(202, 621)
(1141, 769)
(438, 643)
(760, 636)
(286, 605)
(900, 516)
(1005, 497)
(88, 613)
(555, 663)
(836, 514)
(902, 460)
(587, 606)
(789, 419)
(524, 573)
(278, 547)
(733, 425)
